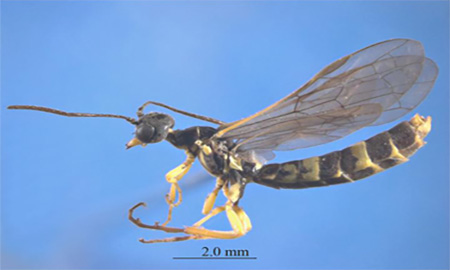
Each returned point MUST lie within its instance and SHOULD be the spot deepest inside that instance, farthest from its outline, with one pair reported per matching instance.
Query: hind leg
(238, 219)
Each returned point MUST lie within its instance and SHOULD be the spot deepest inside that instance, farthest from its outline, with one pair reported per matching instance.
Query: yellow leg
(158, 227)
(212, 213)
(173, 177)
(211, 199)
(239, 221)
(187, 237)
(138, 222)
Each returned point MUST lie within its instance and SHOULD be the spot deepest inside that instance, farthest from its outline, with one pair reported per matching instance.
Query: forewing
(318, 129)
(393, 76)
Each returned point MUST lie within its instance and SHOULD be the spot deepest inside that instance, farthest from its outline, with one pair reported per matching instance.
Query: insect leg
(239, 221)
(138, 222)
(156, 226)
(211, 199)
(173, 177)
(212, 213)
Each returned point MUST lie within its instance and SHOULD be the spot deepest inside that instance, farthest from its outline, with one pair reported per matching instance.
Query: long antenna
(140, 112)
(69, 114)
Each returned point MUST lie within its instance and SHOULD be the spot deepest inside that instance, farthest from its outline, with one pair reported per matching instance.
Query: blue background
(67, 183)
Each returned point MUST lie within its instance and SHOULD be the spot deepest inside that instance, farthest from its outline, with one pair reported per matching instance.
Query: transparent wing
(372, 86)
(317, 129)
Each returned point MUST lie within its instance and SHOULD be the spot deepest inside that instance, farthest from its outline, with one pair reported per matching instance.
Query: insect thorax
(219, 160)
(213, 156)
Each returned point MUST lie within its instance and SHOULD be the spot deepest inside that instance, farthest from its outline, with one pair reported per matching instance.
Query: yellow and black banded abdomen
(358, 161)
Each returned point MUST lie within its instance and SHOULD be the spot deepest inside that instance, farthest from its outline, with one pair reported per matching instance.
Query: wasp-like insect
(372, 86)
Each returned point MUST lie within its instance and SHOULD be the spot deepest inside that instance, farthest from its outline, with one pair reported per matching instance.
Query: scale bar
(214, 258)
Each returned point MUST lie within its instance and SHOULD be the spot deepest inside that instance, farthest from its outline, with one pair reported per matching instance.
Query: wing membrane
(372, 86)
(317, 129)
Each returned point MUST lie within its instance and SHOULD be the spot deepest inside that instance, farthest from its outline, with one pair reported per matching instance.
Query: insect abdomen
(356, 162)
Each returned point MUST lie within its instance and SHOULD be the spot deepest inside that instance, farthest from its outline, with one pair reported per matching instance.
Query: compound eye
(145, 133)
